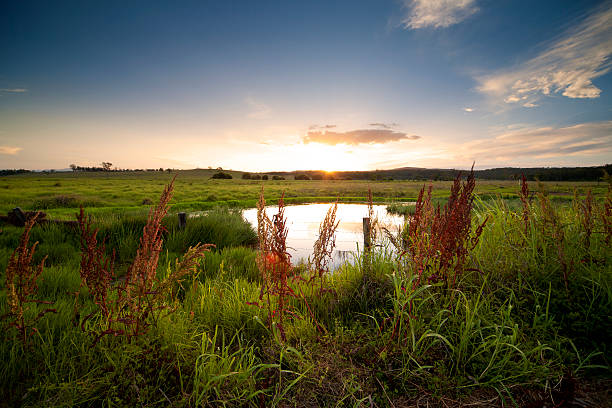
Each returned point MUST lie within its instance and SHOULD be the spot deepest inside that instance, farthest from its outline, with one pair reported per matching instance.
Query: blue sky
(284, 85)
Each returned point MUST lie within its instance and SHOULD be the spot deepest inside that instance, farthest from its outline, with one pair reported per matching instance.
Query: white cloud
(437, 13)
(468, 109)
(10, 150)
(582, 140)
(259, 110)
(567, 66)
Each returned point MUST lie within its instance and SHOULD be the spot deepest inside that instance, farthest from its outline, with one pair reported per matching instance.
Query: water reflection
(303, 224)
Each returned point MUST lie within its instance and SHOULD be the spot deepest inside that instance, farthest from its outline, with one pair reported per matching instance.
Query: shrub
(277, 177)
(301, 177)
(221, 175)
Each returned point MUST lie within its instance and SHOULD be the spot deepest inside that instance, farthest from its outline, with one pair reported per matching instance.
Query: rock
(17, 217)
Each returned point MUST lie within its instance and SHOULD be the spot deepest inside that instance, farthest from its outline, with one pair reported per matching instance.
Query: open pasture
(60, 194)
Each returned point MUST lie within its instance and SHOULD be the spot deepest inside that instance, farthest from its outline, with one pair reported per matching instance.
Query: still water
(303, 224)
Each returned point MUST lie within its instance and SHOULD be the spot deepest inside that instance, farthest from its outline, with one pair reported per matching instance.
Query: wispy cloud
(468, 109)
(437, 13)
(10, 150)
(313, 127)
(567, 66)
(384, 125)
(359, 136)
(13, 90)
(259, 110)
(585, 139)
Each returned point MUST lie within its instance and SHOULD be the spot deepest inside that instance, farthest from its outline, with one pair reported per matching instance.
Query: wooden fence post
(366, 234)
(182, 220)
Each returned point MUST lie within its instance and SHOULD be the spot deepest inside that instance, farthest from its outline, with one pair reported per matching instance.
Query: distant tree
(73, 167)
(301, 177)
(222, 175)
(275, 177)
(9, 172)
(246, 176)
(606, 177)
(106, 166)
(264, 177)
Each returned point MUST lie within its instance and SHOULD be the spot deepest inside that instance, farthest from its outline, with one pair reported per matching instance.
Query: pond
(303, 223)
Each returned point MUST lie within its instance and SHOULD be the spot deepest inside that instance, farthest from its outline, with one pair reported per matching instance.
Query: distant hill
(504, 173)
(403, 173)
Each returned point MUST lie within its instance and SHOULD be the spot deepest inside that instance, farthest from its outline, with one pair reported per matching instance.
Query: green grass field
(59, 194)
(528, 321)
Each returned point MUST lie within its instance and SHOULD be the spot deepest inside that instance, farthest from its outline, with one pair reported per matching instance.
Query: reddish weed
(606, 216)
(142, 295)
(324, 245)
(552, 227)
(438, 240)
(21, 284)
(525, 199)
(586, 219)
(274, 262)
(96, 268)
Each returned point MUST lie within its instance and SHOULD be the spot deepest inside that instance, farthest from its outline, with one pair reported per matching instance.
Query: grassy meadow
(503, 297)
(61, 194)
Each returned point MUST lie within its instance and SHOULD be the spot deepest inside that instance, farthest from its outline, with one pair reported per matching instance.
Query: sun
(315, 156)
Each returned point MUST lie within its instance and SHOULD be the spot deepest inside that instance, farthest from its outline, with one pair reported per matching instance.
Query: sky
(297, 85)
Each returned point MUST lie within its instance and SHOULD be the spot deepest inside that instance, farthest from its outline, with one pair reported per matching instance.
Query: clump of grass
(606, 215)
(220, 226)
(587, 219)
(552, 228)
(21, 285)
(401, 209)
(63, 201)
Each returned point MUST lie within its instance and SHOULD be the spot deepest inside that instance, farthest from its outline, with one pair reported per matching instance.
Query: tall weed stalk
(21, 284)
(137, 302)
(323, 247)
(438, 240)
(274, 262)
